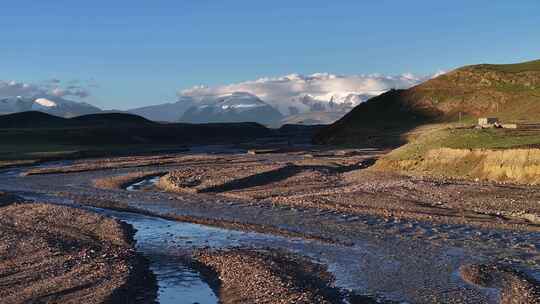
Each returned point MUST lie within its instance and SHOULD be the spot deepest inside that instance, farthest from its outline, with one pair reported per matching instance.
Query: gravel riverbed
(419, 232)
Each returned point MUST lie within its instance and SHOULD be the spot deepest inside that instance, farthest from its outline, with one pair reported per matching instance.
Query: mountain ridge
(46, 103)
(38, 119)
(510, 92)
(235, 107)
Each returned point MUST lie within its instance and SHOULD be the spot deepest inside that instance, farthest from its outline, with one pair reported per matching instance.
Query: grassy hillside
(515, 68)
(510, 92)
(436, 136)
(431, 125)
(465, 153)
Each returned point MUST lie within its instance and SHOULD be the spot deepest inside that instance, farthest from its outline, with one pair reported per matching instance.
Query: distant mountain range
(243, 106)
(48, 104)
(236, 107)
(311, 100)
(39, 119)
(94, 131)
(233, 107)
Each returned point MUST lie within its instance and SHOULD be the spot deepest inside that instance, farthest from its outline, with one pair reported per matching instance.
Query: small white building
(487, 121)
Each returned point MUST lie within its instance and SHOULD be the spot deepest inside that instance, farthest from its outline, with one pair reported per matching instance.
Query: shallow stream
(167, 243)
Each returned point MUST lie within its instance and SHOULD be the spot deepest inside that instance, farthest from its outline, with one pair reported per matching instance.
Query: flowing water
(143, 184)
(167, 244)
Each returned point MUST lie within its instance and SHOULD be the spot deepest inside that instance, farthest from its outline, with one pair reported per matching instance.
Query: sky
(126, 54)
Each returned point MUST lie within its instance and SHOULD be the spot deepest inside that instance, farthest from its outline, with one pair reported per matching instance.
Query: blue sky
(134, 53)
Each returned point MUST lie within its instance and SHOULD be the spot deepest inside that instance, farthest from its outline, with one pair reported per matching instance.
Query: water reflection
(143, 184)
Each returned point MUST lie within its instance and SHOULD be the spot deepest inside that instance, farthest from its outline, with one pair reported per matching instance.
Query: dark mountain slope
(32, 119)
(37, 119)
(111, 119)
(38, 129)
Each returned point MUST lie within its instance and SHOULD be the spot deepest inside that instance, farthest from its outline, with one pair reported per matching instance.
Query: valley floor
(420, 231)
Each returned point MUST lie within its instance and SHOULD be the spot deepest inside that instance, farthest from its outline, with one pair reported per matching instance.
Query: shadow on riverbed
(142, 285)
(283, 173)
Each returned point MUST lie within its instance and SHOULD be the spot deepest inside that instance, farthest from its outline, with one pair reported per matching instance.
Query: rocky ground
(429, 227)
(338, 183)
(256, 276)
(57, 254)
(121, 182)
(113, 163)
(516, 287)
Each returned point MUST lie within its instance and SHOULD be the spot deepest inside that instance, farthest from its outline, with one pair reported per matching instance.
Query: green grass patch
(466, 138)
(514, 68)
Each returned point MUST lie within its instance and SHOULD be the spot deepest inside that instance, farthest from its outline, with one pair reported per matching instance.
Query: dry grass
(510, 165)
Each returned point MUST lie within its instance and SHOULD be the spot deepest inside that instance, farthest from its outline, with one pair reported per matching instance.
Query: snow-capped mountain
(222, 108)
(315, 98)
(49, 104)
(334, 102)
(235, 107)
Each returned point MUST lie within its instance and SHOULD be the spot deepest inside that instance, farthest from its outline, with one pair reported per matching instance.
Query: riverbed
(381, 265)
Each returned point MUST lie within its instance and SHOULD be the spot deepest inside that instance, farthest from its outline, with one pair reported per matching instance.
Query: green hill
(510, 92)
(434, 125)
(516, 67)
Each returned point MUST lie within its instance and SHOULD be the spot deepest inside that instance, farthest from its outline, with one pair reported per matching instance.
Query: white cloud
(13, 88)
(70, 91)
(285, 91)
(9, 88)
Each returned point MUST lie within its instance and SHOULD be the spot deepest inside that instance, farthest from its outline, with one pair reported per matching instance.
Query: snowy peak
(319, 94)
(330, 102)
(233, 107)
(236, 101)
(45, 102)
(240, 101)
